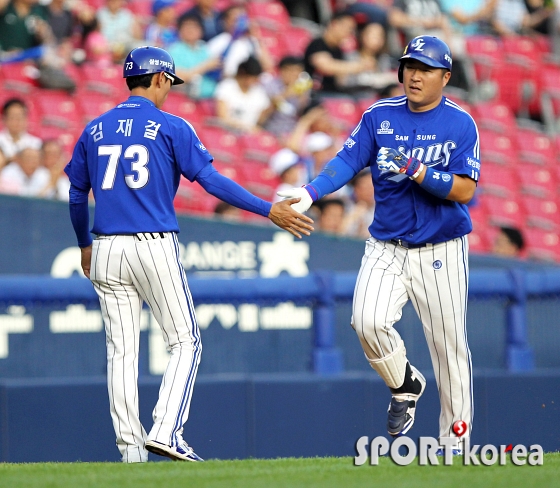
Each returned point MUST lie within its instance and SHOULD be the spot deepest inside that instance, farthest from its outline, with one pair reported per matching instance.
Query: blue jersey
(133, 157)
(444, 138)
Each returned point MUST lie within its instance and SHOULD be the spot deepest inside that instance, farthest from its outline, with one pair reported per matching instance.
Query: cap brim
(423, 59)
(177, 80)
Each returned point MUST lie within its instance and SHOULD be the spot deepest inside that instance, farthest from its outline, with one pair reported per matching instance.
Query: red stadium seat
(535, 147)
(484, 45)
(497, 147)
(108, 80)
(500, 180)
(541, 212)
(494, 116)
(479, 241)
(192, 198)
(259, 179)
(58, 109)
(92, 105)
(221, 144)
(540, 182)
(259, 146)
(271, 14)
(343, 110)
(273, 43)
(67, 138)
(542, 244)
(296, 39)
(503, 211)
(21, 77)
(182, 106)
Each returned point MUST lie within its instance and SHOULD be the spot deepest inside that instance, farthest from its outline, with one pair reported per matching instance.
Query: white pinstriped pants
(125, 272)
(435, 279)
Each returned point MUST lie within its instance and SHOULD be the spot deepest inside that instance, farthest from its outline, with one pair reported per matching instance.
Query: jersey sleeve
(77, 168)
(357, 149)
(190, 153)
(465, 159)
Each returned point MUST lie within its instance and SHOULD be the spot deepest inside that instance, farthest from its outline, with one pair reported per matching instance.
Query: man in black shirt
(324, 59)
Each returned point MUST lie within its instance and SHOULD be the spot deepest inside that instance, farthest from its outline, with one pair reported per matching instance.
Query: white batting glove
(305, 202)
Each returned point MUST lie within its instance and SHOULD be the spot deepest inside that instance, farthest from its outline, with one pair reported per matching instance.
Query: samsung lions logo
(385, 128)
(418, 44)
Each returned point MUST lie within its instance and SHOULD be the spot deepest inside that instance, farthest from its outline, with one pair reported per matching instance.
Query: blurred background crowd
(274, 87)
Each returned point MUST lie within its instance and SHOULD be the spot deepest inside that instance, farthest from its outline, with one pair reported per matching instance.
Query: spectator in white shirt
(15, 137)
(25, 176)
(241, 102)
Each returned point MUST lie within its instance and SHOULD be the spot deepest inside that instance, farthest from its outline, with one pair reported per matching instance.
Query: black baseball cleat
(402, 408)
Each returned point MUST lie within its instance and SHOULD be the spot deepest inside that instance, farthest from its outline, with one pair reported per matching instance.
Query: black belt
(405, 244)
(146, 236)
(141, 236)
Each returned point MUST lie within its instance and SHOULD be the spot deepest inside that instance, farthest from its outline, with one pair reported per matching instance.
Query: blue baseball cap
(159, 4)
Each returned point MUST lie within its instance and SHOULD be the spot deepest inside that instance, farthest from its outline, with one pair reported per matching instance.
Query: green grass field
(288, 472)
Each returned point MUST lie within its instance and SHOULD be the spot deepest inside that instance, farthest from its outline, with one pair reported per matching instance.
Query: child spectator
(289, 168)
(192, 59)
(241, 102)
(289, 92)
(162, 32)
(509, 242)
(331, 216)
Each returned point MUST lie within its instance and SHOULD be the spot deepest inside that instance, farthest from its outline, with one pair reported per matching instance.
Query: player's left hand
(285, 217)
(86, 260)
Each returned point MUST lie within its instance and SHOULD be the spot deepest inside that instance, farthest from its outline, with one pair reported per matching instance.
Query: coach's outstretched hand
(285, 217)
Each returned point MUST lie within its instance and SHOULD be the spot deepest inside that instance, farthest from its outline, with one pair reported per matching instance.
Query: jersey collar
(138, 99)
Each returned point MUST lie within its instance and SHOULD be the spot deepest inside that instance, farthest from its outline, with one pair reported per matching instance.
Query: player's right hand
(284, 216)
(304, 202)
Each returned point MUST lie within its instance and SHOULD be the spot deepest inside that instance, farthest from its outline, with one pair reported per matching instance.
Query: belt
(141, 236)
(405, 244)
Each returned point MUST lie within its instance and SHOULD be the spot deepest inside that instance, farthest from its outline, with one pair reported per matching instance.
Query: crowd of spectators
(223, 55)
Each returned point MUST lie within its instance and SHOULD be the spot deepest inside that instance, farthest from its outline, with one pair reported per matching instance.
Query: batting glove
(389, 159)
(305, 202)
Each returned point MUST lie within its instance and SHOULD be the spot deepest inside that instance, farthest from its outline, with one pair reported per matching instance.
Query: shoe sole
(410, 423)
(160, 451)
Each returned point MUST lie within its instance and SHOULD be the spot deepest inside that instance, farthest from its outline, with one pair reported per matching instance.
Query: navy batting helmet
(146, 60)
(429, 50)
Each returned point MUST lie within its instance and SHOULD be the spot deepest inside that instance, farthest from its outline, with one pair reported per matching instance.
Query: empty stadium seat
(534, 146)
(343, 109)
(497, 147)
(258, 146)
(497, 179)
(21, 77)
(542, 244)
(271, 14)
(540, 182)
(495, 116)
(503, 211)
(92, 105)
(58, 108)
(182, 106)
(259, 179)
(296, 39)
(192, 198)
(541, 212)
(108, 80)
(221, 144)
(273, 43)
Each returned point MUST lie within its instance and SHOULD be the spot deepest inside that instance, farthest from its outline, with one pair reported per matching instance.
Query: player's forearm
(457, 189)
(230, 192)
(79, 215)
(334, 176)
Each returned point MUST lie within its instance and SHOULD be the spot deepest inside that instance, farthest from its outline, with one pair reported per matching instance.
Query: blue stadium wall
(256, 395)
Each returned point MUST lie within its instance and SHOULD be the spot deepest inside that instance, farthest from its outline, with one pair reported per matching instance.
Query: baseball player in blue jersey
(423, 150)
(132, 157)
